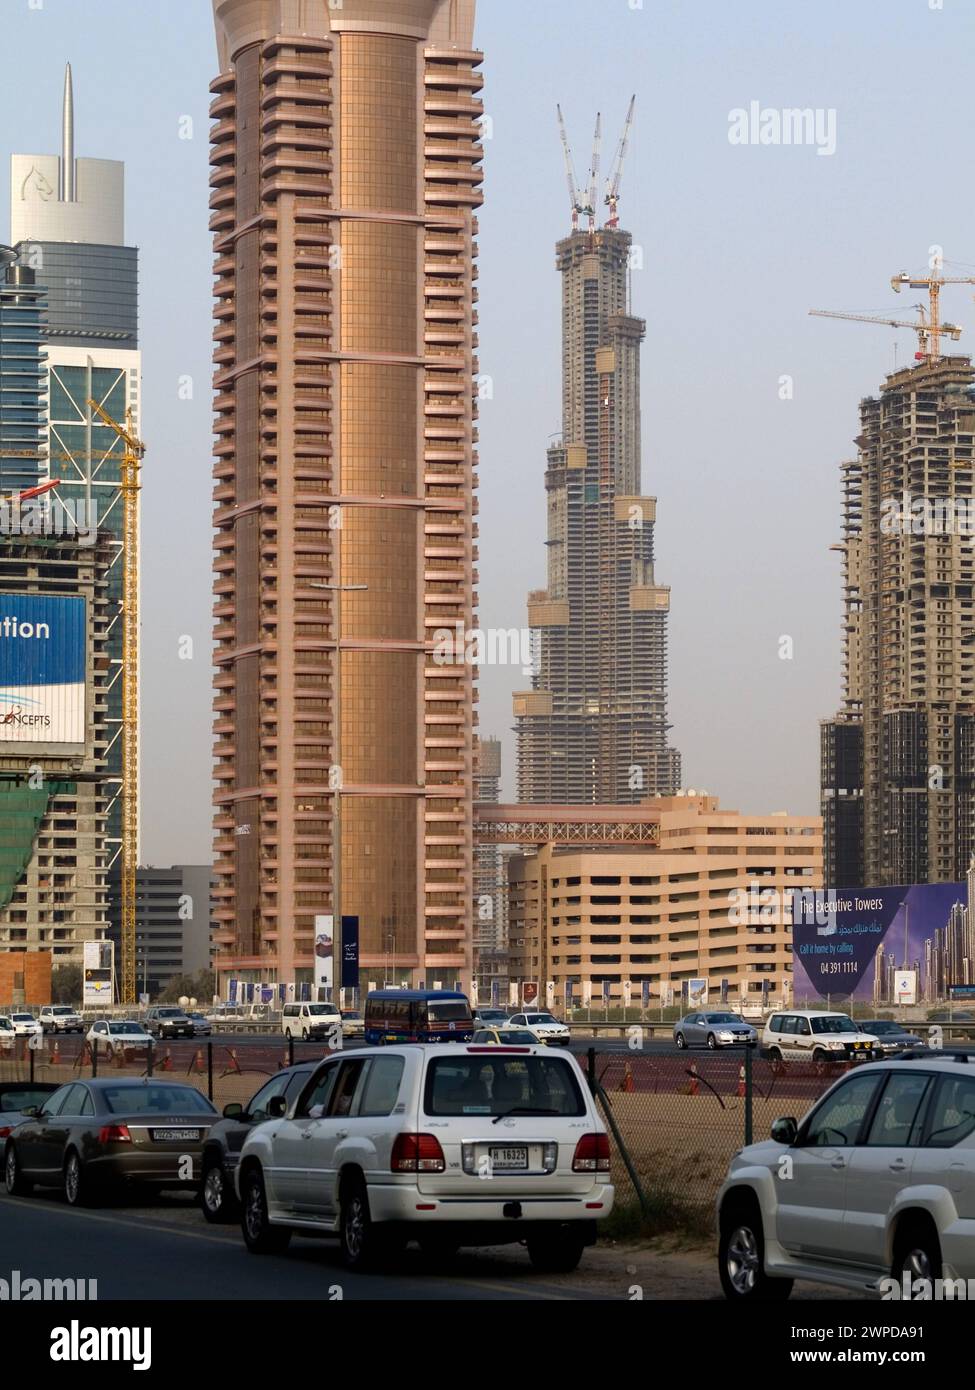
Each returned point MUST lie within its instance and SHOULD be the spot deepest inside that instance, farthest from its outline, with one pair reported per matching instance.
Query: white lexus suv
(443, 1144)
(875, 1189)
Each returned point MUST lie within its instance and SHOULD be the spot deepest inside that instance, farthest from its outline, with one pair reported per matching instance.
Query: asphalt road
(167, 1251)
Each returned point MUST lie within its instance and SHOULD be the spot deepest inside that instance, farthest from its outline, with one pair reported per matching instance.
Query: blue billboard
(863, 941)
(43, 657)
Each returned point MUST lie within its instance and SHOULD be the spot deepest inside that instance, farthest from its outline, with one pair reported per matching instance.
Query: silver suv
(876, 1183)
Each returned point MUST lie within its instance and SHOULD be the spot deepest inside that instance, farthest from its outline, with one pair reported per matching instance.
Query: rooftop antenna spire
(66, 192)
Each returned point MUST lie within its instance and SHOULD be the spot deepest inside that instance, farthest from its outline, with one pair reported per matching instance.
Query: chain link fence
(675, 1120)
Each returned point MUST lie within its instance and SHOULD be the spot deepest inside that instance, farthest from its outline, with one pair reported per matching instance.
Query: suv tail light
(5, 1130)
(592, 1154)
(114, 1134)
(417, 1153)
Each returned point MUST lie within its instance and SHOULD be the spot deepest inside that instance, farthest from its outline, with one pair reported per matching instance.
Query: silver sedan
(714, 1028)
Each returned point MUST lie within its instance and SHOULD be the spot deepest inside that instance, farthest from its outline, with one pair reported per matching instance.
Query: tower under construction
(897, 761)
(593, 728)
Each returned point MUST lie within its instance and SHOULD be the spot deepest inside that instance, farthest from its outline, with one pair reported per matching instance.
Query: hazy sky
(738, 243)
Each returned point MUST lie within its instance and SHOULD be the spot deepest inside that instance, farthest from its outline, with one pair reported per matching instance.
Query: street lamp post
(338, 590)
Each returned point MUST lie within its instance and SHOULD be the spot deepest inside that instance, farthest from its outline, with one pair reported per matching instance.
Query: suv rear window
(479, 1085)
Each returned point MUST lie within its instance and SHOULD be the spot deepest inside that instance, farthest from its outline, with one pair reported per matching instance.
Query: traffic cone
(627, 1083)
(695, 1085)
(56, 1054)
(167, 1061)
(196, 1062)
(741, 1082)
(285, 1062)
(233, 1067)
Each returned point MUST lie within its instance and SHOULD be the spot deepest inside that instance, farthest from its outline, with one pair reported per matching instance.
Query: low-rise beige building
(712, 902)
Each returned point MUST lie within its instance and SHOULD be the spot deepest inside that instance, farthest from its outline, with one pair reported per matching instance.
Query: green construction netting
(22, 808)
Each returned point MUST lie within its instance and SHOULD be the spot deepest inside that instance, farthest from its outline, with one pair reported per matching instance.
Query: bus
(418, 1015)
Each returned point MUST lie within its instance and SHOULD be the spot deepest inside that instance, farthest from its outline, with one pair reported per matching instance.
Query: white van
(310, 1020)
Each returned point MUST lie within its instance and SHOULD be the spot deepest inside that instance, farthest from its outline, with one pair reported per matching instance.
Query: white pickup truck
(60, 1018)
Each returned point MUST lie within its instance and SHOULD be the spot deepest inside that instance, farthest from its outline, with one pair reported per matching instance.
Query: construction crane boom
(612, 198)
(133, 451)
(570, 172)
(923, 329)
(597, 146)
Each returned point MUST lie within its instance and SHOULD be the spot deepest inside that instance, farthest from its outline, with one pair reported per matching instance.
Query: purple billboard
(886, 945)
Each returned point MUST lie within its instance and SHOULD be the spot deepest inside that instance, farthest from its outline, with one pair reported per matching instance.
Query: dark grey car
(714, 1028)
(90, 1137)
(892, 1037)
(221, 1152)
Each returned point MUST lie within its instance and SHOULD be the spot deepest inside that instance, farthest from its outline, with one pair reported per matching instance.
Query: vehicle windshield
(450, 1011)
(127, 1028)
(61, 1009)
(517, 1035)
(22, 1018)
(724, 1018)
(17, 1100)
(170, 1013)
(834, 1023)
(881, 1027)
(501, 1085)
(156, 1100)
(540, 1018)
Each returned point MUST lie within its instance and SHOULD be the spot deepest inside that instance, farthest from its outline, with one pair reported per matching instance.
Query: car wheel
(917, 1253)
(680, 1041)
(260, 1237)
(17, 1185)
(741, 1257)
(820, 1059)
(712, 1042)
(109, 1052)
(360, 1242)
(287, 1034)
(216, 1194)
(77, 1185)
(555, 1254)
(775, 1059)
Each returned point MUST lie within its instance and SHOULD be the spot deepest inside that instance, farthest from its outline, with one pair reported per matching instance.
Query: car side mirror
(233, 1110)
(785, 1130)
(276, 1107)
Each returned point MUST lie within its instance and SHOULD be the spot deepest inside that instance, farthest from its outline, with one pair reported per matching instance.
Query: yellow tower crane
(929, 328)
(133, 451)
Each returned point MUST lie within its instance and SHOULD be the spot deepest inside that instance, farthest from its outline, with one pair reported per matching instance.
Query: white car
(25, 1025)
(817, 1035)
(441, 1143)
(8, 1034)
(875, 1186)
(545, 1026)
(61, 1018)
(109, 1036)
